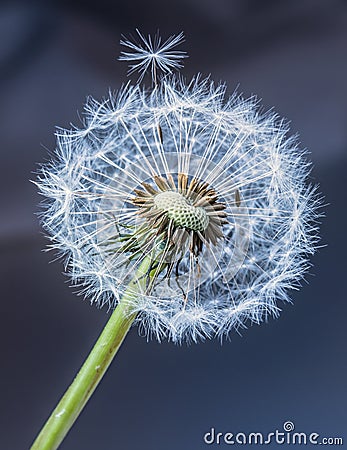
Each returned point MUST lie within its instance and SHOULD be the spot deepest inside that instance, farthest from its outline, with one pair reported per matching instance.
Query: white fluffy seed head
(237, 270)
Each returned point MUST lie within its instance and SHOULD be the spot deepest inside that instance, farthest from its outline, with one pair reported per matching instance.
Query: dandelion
(188, 214)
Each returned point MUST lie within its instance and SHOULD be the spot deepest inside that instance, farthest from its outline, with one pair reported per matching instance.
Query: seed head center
(180, 209)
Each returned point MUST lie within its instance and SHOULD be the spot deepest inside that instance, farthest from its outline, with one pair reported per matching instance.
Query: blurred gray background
(292, 54)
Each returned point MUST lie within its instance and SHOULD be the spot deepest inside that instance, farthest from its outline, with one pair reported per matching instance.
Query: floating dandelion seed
(212, 190)
(152, 54)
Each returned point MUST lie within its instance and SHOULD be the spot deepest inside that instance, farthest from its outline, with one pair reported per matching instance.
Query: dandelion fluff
(211, 188)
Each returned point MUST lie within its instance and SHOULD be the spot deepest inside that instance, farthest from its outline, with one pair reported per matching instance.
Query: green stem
(94, 367)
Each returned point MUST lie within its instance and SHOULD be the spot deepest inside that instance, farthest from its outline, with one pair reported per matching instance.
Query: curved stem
(94, 367)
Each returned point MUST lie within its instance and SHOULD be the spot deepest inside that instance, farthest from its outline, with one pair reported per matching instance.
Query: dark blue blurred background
(292, 54)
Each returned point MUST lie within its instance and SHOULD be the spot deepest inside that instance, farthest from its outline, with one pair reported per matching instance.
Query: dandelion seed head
(213, 190)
